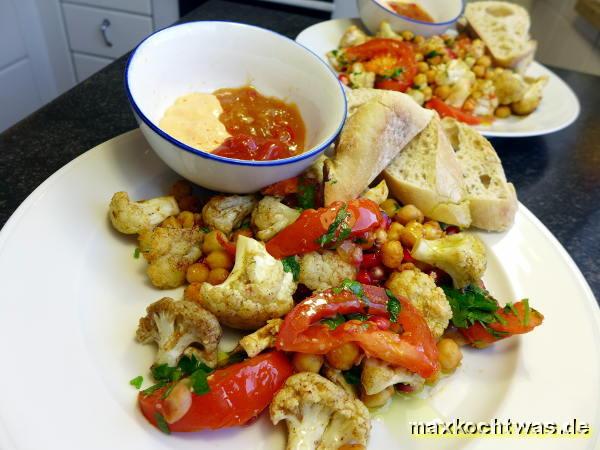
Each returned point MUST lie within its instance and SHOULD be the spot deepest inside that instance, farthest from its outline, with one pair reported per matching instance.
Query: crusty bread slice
(381, 123)
(493, 201)
(427, 174)
(504, 28)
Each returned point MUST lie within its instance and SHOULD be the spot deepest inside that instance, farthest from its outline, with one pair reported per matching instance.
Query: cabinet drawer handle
(104, 29)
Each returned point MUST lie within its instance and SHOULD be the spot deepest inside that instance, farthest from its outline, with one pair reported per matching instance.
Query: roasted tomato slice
(237, 394)
(413, 348)
(445, 110)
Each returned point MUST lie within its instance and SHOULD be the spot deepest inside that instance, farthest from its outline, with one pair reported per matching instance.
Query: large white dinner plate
(559, 107)
(72, 293)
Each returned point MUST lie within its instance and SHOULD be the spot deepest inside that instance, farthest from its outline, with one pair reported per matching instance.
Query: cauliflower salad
(344, 307)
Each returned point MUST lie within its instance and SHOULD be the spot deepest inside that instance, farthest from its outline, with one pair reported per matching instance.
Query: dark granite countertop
(557, 176)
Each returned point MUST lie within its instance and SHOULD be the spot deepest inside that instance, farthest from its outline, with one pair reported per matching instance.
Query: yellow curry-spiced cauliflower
(261, 339)
(319, 414)
(320, 271)
(271, 216)
(258, 289)
(425, 295)
(227, 212)
(134, 217)
(170, 251)
(377, 375)
(175, 326)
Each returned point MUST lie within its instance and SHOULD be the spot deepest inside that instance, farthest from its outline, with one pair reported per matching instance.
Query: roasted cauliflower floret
(271, 216)
(510, 87)
(423, 293)
(353, 36)
(177, 325)
(461, 255)
(261, 339)
(257, 289)
(532, 97)
(320, 271)
(227, 212)
(377, 194)
(319, 415)
(170, 251)
(385, 31)
(134, 217)
(377, 375)
(336, 376)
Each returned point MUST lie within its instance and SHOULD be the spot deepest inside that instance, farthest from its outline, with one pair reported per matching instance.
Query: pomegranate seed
(452, 229)
(404, 387)
(371, 260)
(377, 273)
(364, 277)
(407, 257)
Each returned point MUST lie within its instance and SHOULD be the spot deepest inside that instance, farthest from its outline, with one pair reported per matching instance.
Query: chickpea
(186, 219)
(490, 74)
(211, 241)
(502, 112)
(420, 79)
(419, 40)
(181, 189)
(435, 60)
(171, 222)
(479, 71)
(219, 259)
(392, 254)
(408, 35)
(432, 230)
(242, 232)
(442, 92)
(409, 266)
(390, 206)
(430, 76)
(381, 237)
(422, 67)
(343, 357)
(408, 213)
(469, 104)
(477, 95)
(419, 57)
(394, 231)
(411, 233)
(197, 273)
(217, 276)
(449, 354)
(446, 59)
(305, 362)
(192, 292)
(379, 399)
(428, 93)
(484, 61)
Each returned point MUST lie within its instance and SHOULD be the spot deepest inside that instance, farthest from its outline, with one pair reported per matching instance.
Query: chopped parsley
(393, 306)
(137, 382)
(357, 316)
(333, 322)
(353, 286)
(291, 265)
(352, 376)
(226, 359)
(471, 304)
(338, 230)
(188, 366)
(136, 253)
(205, 229)
(307, 195)
(527, 313)
(432, 54)
(199, 381)
(394, 73)
(161, 423)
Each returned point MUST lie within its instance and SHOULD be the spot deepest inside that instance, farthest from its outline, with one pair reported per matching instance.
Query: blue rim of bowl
(206, 155)
(421, 22)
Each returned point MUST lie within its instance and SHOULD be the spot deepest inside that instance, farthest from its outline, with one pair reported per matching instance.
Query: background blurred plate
(72, 294)
(559, 107)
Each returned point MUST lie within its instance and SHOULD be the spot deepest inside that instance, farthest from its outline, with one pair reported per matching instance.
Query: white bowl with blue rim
(444, 13)
(206, 56)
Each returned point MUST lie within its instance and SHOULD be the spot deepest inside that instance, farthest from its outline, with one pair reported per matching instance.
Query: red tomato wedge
(401, 52)
(525, 320)
(303, 235)
(445, 110)
(414, 348)
(238, 393)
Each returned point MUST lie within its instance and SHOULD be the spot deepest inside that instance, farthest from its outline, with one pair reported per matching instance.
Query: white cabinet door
(87, 65)
(18, 93)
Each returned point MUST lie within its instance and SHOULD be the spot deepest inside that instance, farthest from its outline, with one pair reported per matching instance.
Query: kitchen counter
(557, 176)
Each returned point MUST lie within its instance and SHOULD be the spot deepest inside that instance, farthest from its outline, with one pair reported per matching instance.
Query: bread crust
(381, 124)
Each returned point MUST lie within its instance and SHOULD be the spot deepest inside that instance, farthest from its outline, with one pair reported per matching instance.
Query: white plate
(559, 107)
(72, 294)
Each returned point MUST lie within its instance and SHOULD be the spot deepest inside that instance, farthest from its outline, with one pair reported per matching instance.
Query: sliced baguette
(504, 28)
(493, 201)
(427, 174)
(381, 123)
